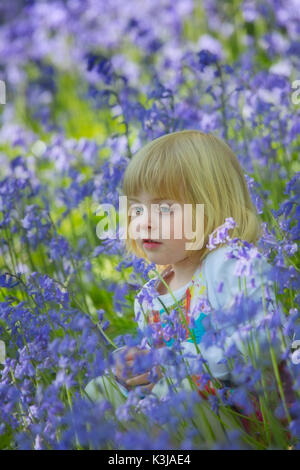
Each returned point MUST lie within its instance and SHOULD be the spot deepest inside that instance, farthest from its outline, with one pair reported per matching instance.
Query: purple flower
(8, 282)
(205, 58)
(241, 399)
(220, 235)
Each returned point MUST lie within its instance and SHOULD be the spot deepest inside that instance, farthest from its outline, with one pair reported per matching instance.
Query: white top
(216, 282)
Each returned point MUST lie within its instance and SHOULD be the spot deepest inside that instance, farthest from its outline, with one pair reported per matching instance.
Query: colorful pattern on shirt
(184, 304)
(155, 318)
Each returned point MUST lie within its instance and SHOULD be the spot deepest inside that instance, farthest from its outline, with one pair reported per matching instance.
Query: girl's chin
(155, 258)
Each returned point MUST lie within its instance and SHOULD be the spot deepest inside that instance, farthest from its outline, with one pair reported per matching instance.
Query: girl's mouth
(147, 243)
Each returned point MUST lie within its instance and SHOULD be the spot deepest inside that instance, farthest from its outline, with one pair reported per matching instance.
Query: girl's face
(163, 224)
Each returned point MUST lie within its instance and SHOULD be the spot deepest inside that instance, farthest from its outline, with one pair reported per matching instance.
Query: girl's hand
(122, 371)
(133, 381)
(143, 379)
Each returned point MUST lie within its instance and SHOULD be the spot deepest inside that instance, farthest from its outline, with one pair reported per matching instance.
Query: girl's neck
(177, 276)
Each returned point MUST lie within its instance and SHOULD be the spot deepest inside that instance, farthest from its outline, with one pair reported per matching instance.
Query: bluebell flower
(119, 297)
(241, 399)
(58, 247)
(206, 58)
(8, 282)
(214, 403)
(294, 427)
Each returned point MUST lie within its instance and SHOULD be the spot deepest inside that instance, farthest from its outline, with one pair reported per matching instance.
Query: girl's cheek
(177, 231)
(187, 227)
(164, 227)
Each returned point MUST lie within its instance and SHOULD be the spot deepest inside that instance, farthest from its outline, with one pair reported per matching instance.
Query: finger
(122, 364)
(122, 371)
(131, 353)
(135, 351)
(142, 379)
(125, 367)
(125, 371)
(133, 373)
(121, 356)
(158, 371)
(148, 387)
(125, 364)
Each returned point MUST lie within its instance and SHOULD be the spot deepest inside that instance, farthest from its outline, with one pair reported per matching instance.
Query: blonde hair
(192, 167)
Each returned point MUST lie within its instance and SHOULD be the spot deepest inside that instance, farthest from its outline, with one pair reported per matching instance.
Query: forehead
(147, 197)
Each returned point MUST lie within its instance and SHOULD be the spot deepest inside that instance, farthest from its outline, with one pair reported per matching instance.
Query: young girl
(188, 167)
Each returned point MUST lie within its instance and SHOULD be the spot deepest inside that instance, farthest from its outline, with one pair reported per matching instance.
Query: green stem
(223, 94)
(13, 261)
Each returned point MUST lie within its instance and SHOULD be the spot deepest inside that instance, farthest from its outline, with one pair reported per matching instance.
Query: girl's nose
(148, 223)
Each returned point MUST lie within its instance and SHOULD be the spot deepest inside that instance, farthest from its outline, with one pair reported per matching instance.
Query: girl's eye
(136, 210)
(165, 209)
(162, 209)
